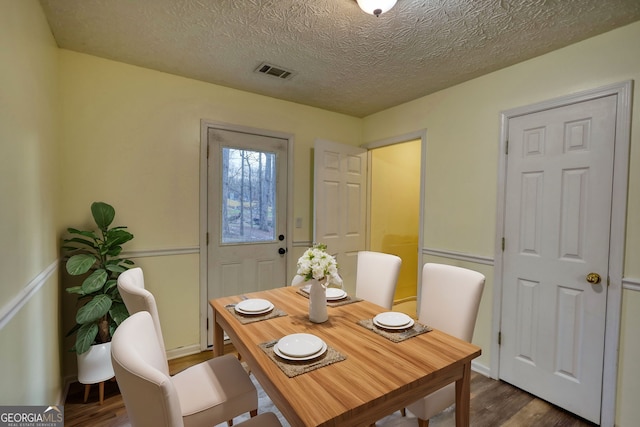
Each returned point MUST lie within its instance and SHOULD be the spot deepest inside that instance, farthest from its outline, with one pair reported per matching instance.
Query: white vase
(317, 302)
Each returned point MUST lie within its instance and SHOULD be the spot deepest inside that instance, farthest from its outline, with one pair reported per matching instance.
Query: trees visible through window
(248, 194)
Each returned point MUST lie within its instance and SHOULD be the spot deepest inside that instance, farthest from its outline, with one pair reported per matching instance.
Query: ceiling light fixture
(376, 7)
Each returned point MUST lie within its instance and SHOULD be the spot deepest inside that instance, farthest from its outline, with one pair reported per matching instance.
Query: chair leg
(87, 387)
(403, 412)
(253, 413)
(423, 423)
(230, 422)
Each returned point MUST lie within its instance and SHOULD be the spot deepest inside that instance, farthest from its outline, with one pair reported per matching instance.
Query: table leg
(218, 337)
(463, 397)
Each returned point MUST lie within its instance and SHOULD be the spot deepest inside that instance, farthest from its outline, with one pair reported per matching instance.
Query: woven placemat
(293, 368)
(344, 301)
(396, 336)
(250, 318)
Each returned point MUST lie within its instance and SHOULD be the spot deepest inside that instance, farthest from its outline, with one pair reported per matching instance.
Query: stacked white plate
(393, 320)
(335, 294)
(300, 347)
(254, 306)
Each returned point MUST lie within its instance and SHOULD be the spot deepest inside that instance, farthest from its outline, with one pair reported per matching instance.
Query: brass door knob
(593, 278)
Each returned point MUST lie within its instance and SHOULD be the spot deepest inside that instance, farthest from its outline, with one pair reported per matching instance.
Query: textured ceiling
(343, 59)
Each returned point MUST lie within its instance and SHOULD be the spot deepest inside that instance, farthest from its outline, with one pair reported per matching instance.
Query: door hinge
(207, 151)
(506, 148)
(207, 323)
(499, 338)
(608, 281)
(207, 238)
(503, 244)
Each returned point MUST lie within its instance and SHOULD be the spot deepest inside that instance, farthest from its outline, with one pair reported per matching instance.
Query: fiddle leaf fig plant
(97, 255)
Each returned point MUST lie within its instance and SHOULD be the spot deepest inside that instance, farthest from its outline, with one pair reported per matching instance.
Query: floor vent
(275, 71)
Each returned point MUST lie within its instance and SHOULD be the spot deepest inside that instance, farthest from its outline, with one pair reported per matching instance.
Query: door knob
(593, 278)
(282, 251)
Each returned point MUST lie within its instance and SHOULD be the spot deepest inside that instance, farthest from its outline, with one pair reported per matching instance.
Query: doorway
(395, 209)
(348, 232)
(561, 216)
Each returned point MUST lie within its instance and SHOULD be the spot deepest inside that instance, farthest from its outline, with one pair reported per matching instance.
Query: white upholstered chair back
(297, 280)
(138, 361)
(376, 277)
(209, 392)
(136, 298)
(450, 299)
(449, 302)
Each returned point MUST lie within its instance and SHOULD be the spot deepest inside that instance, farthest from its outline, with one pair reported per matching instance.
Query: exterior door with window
(246, 213)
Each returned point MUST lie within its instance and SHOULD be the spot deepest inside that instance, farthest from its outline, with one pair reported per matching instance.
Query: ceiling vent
(273, 70)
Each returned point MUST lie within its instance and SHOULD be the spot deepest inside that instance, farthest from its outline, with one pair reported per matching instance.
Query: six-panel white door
(557, 222)
(340, 195)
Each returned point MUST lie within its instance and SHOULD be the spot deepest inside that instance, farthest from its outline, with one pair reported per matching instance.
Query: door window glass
(248, 194)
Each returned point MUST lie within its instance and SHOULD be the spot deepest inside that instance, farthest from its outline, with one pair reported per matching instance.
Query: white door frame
(205, 125)
(411, 136)
(623, 91)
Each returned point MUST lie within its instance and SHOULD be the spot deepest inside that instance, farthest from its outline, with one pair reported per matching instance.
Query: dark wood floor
(493, 404)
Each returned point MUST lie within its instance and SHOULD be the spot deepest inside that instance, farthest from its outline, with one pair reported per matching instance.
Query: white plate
(395, 328)
(334, 294)
(319, 353)
(300, 345)
(392, 319)
(254, 306)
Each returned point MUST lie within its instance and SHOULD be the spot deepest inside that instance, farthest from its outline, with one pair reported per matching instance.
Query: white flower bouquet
(317, 264)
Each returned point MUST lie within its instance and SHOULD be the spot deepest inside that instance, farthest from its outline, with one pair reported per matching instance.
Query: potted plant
(97, 255)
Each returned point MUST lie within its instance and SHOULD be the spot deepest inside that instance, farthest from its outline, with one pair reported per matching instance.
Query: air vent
(274, 70)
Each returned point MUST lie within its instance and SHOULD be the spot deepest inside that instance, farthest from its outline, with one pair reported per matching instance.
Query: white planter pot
(94, 366)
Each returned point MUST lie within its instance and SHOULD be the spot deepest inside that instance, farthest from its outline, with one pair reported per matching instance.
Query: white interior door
(557, 225)
(340, 195)
(246, 212)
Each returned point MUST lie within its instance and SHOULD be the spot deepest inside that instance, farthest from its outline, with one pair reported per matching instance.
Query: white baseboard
(480, 368)
(187, 350)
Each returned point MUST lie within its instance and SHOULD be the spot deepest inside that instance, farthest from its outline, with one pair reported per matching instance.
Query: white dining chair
(449, 302)
(297, 280)
(376, 277)
(210, 392)
(152, 398)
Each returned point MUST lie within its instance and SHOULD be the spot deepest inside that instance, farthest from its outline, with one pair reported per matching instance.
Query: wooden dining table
(377, 376)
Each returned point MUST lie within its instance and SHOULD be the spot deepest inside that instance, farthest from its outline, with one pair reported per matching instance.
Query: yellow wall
(461, 172)
(395, 209)
(29, 341)
(131, 137)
